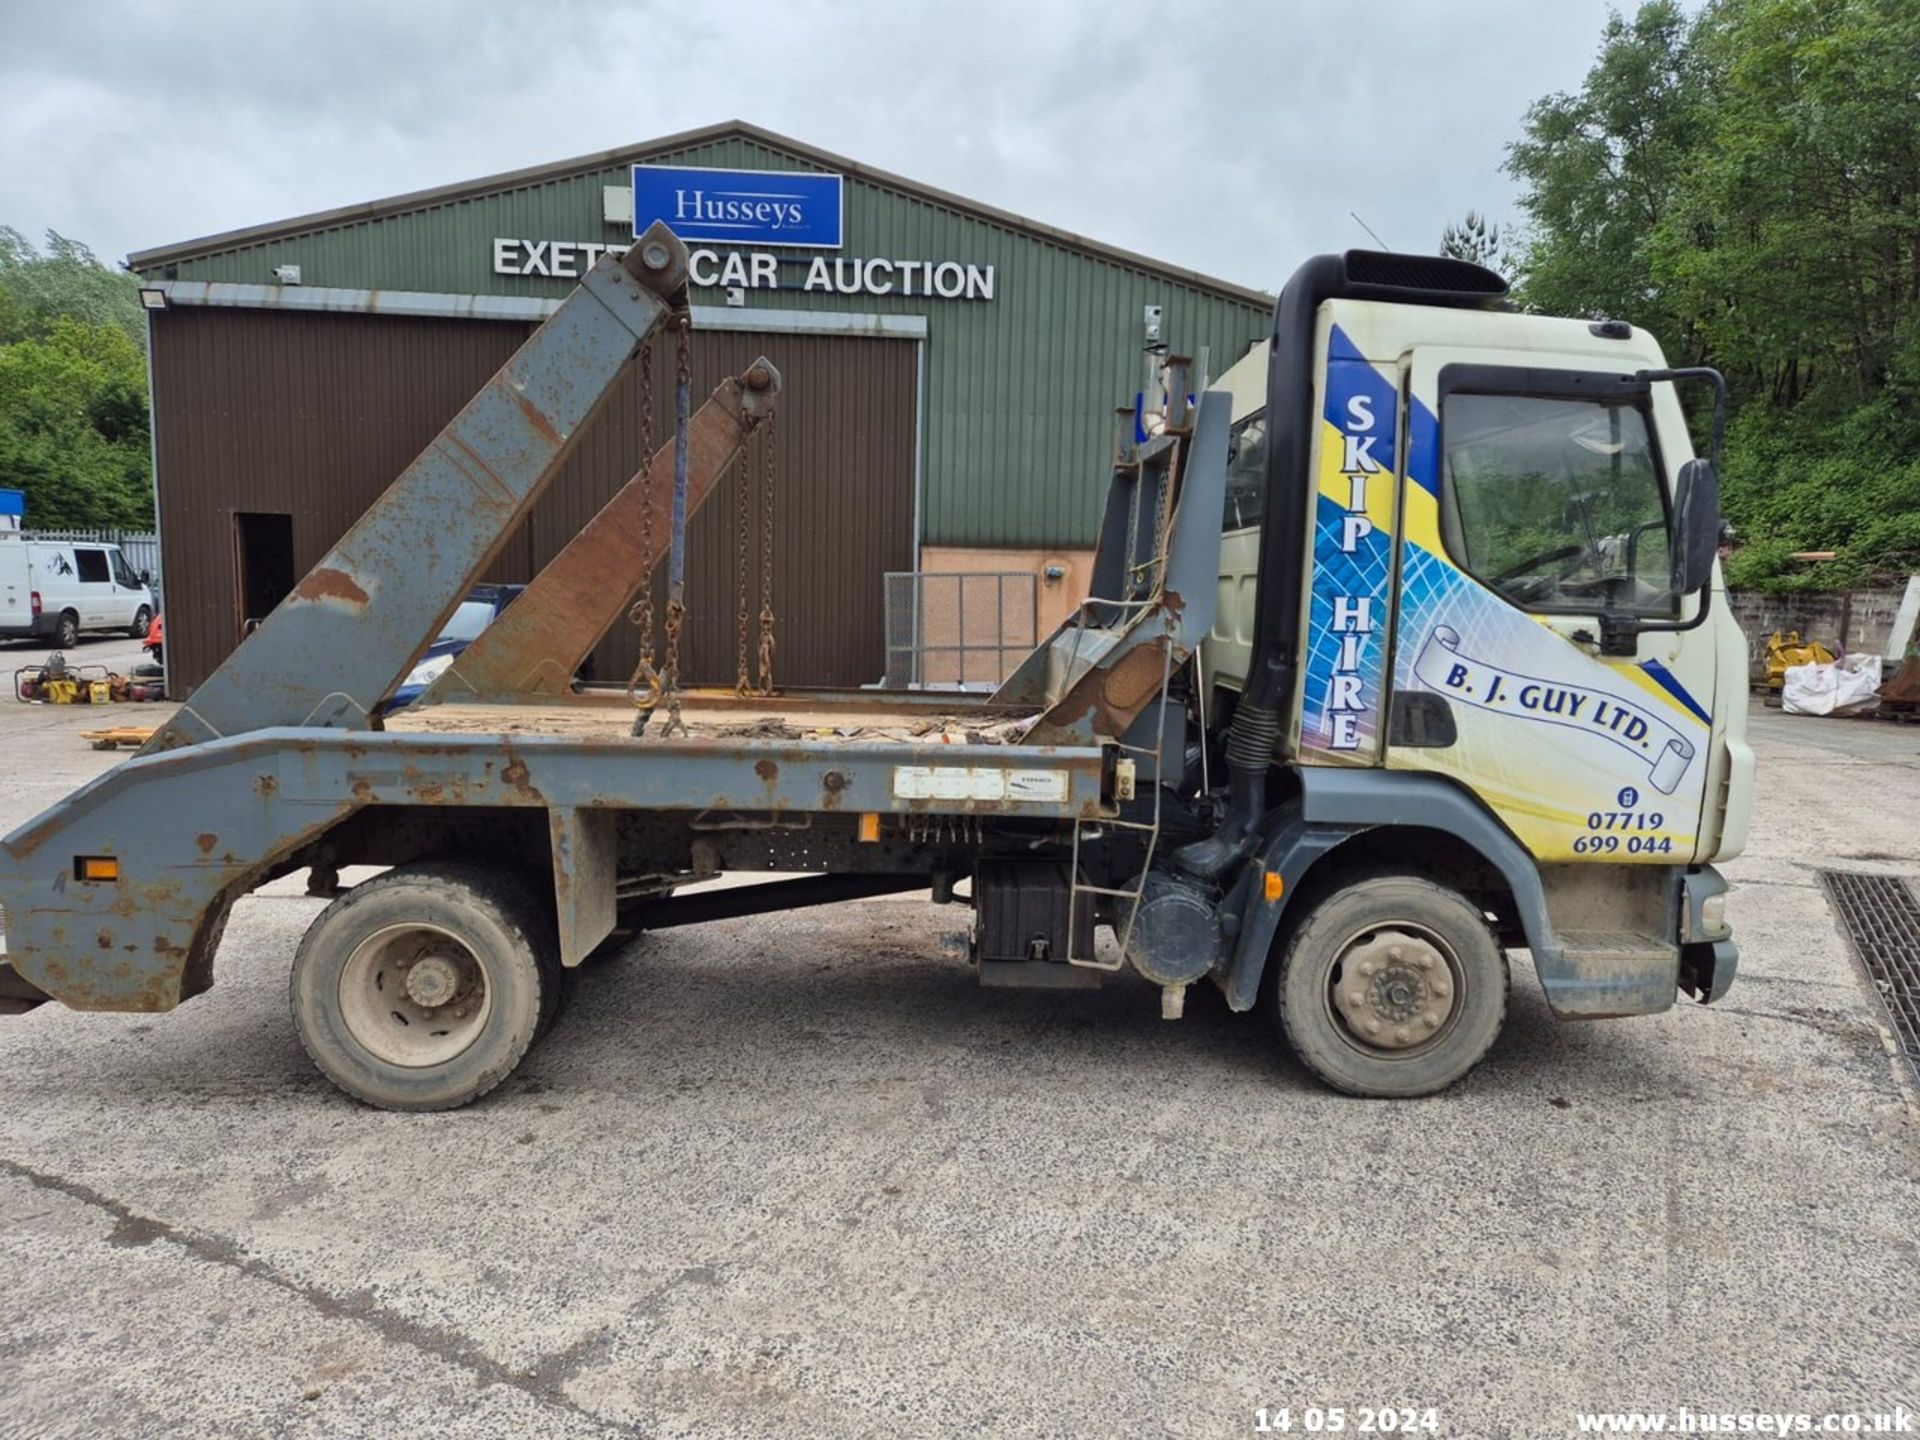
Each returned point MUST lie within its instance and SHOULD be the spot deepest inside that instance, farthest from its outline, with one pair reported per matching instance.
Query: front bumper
(1709, 959)
(1707, 969)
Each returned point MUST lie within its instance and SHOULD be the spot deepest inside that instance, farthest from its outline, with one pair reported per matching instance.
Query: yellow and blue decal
(1343, 704)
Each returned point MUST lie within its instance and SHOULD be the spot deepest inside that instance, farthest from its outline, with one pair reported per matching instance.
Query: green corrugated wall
(1019, 390)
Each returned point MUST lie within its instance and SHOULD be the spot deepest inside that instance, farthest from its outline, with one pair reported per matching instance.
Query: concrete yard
(801, 1177)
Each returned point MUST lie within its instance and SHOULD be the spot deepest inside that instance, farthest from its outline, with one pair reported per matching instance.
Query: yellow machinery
(1792, 651)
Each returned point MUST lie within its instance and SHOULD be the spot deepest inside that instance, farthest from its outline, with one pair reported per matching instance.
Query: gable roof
(668, 144)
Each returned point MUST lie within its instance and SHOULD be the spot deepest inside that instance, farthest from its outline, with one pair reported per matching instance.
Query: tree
(1601, 166)
(73, 388)
(67, 282)
(1473, 240)
(1746, 184)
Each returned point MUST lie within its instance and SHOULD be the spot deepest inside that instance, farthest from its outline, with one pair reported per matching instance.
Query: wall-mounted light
(152, 297)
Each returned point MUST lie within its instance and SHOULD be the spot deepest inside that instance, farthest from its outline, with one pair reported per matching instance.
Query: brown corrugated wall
(313, 415)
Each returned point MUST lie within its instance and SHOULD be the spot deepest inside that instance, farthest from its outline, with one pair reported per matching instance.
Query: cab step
(1037, 975)
(1626, 947)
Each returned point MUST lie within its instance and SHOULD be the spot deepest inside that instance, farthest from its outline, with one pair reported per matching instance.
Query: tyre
(142, 622)
(423, 989)
(1391, 986)
(66, 632)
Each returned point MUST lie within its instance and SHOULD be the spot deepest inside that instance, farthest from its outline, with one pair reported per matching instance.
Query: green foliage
(1746, 184)
(66, 283)
(1602, 168)
(73, 388)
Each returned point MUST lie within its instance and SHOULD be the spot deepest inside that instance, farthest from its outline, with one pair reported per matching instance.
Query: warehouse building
(950, 376)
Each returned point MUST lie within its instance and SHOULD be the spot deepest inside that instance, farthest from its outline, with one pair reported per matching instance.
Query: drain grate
(1882, 921)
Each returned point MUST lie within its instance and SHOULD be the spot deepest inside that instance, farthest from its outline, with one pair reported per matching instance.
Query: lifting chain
(644, 688)
(766, 566)
(677, 557)
(742, 681)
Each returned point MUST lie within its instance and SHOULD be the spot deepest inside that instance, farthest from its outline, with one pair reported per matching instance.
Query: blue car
(474, 614)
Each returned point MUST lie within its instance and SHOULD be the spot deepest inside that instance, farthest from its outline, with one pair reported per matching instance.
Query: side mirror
(146, 577)
(1697, 508)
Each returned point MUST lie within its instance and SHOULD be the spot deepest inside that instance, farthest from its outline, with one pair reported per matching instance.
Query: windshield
(1556, 503)
(468, 621)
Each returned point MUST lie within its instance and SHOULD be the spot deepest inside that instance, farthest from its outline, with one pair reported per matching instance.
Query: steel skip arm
(541, 639)
(339, 643)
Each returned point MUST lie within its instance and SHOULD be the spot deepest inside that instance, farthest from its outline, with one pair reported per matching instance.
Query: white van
(55, 589)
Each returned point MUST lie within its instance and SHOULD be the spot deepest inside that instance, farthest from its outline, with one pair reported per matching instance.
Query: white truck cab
(1498, 492)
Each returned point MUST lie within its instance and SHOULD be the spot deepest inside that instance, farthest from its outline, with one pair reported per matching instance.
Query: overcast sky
(1233, 140)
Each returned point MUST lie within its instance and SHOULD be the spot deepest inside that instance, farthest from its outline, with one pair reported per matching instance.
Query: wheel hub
(414, 995)
(432, 981)
(1395, 990)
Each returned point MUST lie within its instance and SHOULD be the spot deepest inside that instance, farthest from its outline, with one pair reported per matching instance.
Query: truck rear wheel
(424, 988)
(1392, 986)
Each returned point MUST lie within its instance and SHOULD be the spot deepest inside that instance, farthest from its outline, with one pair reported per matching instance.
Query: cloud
(1233, 139)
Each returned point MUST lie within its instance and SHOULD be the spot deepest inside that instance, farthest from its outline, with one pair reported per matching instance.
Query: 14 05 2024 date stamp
(1346, 1419)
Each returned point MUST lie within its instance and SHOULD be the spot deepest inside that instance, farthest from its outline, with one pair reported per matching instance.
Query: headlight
(429, 670)
(1713, 914)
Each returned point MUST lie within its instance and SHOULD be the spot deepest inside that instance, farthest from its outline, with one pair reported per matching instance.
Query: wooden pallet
(131, 736)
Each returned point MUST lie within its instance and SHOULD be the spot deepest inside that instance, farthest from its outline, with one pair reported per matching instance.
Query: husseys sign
(741, 207)
(753, 212)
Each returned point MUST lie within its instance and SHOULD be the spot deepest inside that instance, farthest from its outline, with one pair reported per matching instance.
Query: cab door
(1540, 654)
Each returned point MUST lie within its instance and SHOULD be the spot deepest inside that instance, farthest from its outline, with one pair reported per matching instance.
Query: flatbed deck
(932, 717)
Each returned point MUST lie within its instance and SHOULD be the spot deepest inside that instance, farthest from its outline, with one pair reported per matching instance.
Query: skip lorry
(1405, 648)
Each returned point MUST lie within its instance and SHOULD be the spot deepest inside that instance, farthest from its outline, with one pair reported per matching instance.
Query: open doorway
(263, 559)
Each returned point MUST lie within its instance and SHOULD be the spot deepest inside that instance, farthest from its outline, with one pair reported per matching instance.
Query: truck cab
(1491, 580)
(1468, 588)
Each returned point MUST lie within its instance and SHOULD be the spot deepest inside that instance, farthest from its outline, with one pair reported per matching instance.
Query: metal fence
(141, 547)
(965, 630)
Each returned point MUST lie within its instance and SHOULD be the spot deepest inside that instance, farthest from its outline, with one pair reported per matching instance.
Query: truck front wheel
(424, 988)
(1391, 986)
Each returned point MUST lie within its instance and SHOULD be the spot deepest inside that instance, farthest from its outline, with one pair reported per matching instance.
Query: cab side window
(1246, 473)
(92, 565)
(1556, 503)
(123, 575)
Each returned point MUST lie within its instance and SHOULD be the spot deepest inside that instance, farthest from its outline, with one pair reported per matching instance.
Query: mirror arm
(1712, 377)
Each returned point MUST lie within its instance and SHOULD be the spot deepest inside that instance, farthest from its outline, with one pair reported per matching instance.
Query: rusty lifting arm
(540, 640)
(338, 644)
